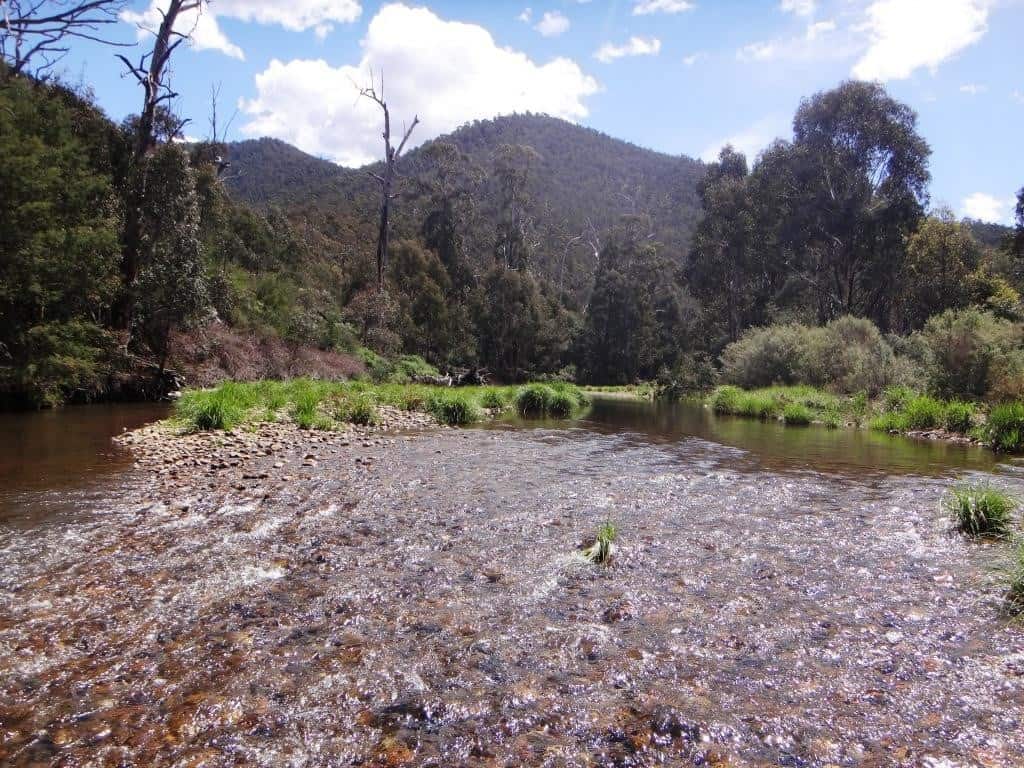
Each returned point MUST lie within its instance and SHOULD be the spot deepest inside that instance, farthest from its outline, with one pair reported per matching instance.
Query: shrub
(847, 355)
(924, 412)
(796, 414)
(65, 360)
(959, 417)
(453, 408)
(832, 418)
(980, 510)
(766, 356)
(896, 398)
(532, 400)
(1005, 427)
(965, 349)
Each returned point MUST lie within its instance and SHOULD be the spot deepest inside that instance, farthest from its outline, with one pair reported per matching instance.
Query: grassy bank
(898, 410)
(315, 404)
(642, 391)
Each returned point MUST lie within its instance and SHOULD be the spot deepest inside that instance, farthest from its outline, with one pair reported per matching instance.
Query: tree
(386, 178)
(512, 165)
(36, 34)
(151, 74)
(719, 268)
(940, 257)
(861, 172)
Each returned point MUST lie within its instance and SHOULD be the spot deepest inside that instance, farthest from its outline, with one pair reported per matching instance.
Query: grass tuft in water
(980, 510)
(603, 548)
(796, 414)
(454, 409)
(532, 400)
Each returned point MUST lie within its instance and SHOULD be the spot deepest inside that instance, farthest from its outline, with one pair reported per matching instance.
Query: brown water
(778, 597)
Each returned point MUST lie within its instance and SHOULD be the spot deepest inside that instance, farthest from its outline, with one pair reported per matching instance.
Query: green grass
(602, 549)
(532, 400)
(924, 412)
(493, 399)
(980, 510)
(559, 400)
(959, 417)
(454, 408)
(1005, 428)
(222, 408)
(797, 414)
(1015, 592)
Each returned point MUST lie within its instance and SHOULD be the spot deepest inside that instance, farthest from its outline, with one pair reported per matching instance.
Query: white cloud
(988, 208)
(526, 15)
(552, 24)
(760, 51)
(636, 46)
(973, 88)
(647, 7)
(819, 28)
(206, 34)
(693, 58)
(906, 35)
(1018, 96)
(447, 72)
(751, 140)
(799, 7)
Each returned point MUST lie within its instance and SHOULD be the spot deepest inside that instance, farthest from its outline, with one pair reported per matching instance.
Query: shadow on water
(772, 445)
(49, 459)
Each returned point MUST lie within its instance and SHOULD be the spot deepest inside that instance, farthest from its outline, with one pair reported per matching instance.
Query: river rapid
(777, 597)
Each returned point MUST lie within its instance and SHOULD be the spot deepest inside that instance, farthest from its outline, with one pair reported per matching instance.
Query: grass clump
(959, 417)
(726, 399)
(1015, 593)
(532, 400)
(493, 399)
(356, 408)
(453, 409)
(796, 414)
(222, 408)
(924, 412)
(980, 510)
(603, 548)
(562, 405)
(889, 422)
(1005, 428)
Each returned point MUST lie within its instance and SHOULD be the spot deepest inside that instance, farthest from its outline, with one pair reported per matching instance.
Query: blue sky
(679, 76)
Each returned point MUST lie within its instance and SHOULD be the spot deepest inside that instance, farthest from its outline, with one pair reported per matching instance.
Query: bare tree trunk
(386, 178)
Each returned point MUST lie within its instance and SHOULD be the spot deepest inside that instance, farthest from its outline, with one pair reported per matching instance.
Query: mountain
(581, 184)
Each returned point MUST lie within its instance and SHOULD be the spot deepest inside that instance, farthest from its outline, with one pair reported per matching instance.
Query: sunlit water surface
(779, 596)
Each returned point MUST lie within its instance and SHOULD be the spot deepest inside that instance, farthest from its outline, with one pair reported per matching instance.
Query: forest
(524, 246)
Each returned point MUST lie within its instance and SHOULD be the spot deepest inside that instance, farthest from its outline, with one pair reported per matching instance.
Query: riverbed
(778, 596)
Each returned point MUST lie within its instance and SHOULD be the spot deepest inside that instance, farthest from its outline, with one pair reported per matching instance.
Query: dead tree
(151, 74)
(39, 31)
(386, 178)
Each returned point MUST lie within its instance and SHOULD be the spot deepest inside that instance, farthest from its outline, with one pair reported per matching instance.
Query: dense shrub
(1005, 427)
(968, 349)
(848, 355)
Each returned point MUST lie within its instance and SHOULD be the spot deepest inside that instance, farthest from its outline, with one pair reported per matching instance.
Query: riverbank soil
(278, 598)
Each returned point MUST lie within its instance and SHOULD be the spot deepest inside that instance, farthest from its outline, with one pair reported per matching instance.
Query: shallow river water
(778, 597)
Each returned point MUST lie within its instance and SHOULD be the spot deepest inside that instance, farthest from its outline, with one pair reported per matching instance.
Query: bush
(766, 356)
(1005, 427)
(980, 510)
(959, 417)
(895, 399)
(65, 361)
(532, 400)
(453, 408)
(847, 355)
(967, 349)
(796, 414)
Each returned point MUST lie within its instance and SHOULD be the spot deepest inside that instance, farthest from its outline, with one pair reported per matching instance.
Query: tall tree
(151, 74)
(386, 178)
(36, 34)
(861, 171)
(512, 166)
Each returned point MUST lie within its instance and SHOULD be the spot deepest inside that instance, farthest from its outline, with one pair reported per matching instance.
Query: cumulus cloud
(552, 24)
(635, 46)
(988, 208)
(693, 58)
(526, 15)
(205, 31)
(760, 51)
(799, 7)
(906, 35)
(647, 7)
(447, 72)
(819, 28)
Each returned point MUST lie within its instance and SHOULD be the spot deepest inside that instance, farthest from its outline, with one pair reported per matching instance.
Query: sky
(677, 76)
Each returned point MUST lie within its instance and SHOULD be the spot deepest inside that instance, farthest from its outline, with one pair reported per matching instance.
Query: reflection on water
(50, 459)
(773, 445)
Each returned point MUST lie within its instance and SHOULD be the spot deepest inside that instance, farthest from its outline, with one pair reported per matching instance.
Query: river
(778, 596)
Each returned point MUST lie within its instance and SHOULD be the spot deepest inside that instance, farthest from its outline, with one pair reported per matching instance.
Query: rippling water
(778, 597)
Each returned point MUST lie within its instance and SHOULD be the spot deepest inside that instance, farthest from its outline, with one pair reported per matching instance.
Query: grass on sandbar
(601, 550)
